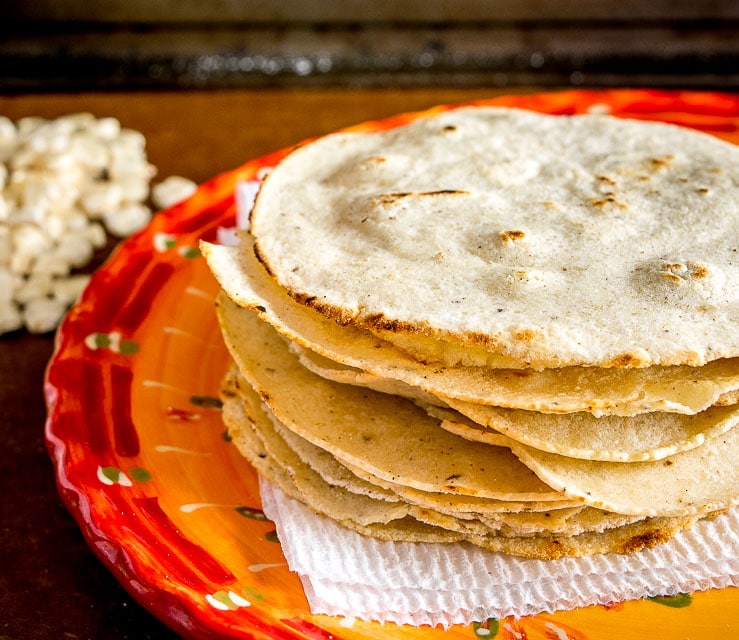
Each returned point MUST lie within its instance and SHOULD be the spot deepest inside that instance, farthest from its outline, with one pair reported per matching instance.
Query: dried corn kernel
(10, 317)
(171, 191)
(65, 184)
(42, 315)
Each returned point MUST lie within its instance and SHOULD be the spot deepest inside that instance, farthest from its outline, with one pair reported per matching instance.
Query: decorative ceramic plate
(168, 504)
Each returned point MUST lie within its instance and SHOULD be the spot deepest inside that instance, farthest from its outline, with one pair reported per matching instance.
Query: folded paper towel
(347, 574)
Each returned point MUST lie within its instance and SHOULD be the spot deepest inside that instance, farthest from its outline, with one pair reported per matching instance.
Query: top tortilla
(548, 240)
(625, 391)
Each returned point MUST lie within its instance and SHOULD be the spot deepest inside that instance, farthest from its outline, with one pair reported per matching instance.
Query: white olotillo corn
(64, 183)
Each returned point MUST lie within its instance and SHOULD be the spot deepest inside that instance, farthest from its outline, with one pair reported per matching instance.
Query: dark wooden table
(51, 585)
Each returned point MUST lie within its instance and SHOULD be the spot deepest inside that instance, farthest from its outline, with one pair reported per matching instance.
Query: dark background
(235, 43)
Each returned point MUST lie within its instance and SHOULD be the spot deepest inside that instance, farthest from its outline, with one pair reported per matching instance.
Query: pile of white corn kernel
(65, 185)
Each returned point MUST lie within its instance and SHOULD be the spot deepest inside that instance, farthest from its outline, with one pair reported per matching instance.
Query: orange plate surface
(165, 500)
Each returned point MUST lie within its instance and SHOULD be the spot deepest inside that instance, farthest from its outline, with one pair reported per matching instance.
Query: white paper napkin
(347, 574)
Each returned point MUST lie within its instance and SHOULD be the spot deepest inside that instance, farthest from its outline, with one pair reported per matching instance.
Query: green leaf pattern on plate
(487, 629)
(188, 252)
(249, 512)
(253, 594)
(114, 475)
(678, 601)
(112, 341)
(227, 600)
(164, 242)
(139, 474)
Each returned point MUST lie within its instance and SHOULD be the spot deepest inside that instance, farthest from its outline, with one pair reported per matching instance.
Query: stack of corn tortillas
(493, 326)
